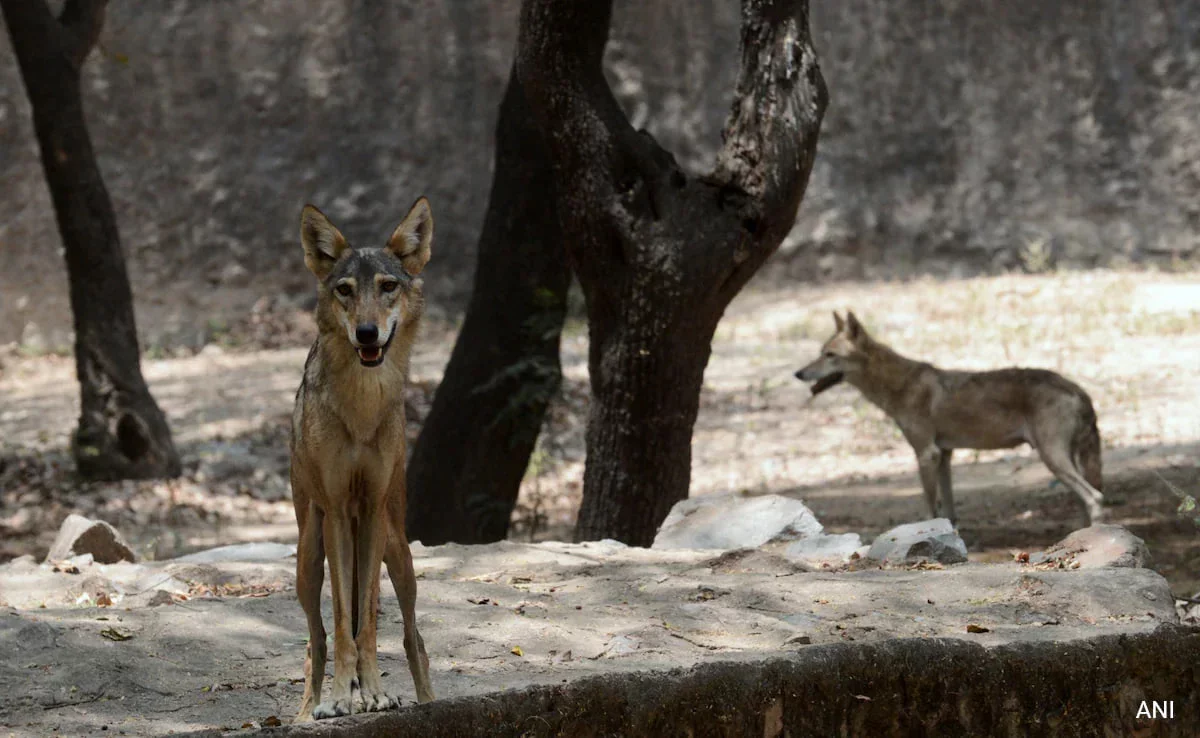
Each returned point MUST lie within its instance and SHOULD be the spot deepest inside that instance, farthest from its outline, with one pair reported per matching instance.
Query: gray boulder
(79, 535)
(930, 540)
(1095, 547)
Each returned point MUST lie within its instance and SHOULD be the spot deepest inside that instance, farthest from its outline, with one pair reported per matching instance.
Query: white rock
(735, 521)
(823, 547)
(932, 540)
(258, 551)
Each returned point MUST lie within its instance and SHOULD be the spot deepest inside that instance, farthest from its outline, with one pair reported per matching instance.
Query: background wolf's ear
(323, 243)
(412, 238)
(853, 328)
(837, 321)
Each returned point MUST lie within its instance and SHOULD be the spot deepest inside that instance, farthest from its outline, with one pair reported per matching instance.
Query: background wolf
(940, 410)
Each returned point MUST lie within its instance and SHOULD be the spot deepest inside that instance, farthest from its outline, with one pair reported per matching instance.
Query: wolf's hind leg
(400, 570)
(1057, 458)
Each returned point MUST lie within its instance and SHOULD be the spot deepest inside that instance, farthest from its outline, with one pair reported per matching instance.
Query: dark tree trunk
(122, 433)
(473, 450)
(660, 254)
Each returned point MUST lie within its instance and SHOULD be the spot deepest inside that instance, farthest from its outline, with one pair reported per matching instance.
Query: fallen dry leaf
(272, 722)
(517, 650)
(113, 634)
(973, 628)
(234, 590)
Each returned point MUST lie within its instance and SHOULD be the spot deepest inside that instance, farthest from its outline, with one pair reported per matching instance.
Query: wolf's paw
(379, 702)
(333, 708)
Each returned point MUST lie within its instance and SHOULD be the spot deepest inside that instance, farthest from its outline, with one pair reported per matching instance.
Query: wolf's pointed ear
(837, 321)
(323, 243)
(412, 238)
(853, 328)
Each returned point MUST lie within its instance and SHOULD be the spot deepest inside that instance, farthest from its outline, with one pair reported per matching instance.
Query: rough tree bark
(122, 433)
(660, 254)
(475, 445)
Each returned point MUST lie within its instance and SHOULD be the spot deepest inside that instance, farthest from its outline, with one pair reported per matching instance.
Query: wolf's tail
(1087, 447)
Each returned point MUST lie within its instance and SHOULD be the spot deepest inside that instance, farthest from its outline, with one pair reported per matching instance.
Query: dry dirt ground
(227, 649)
(1132, 339)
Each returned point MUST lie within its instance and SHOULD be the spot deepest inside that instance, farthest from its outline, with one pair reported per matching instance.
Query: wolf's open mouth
(373, 355)
(825, 383)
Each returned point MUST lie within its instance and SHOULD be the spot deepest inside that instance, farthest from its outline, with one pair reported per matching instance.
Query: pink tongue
(369, 353)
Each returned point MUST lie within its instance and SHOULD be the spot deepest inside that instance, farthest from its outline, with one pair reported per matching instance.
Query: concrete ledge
(940, 686)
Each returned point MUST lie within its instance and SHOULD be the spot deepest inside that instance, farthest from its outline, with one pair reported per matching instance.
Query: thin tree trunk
(473, 450)
(660, 254)
(122, 433)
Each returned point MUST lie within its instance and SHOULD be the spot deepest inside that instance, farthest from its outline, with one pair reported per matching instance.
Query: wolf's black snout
(367, 333)
(799, 374)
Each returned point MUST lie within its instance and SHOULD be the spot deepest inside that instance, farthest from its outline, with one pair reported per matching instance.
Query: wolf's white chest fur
(368, 399)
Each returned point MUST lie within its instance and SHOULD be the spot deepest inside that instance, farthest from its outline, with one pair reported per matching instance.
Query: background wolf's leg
(339, 544)
(1057, 458)
(400, 570)
(372, 537)
(310, 576)
(945, 488)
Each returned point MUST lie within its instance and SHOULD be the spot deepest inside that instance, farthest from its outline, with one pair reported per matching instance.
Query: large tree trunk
(660, 254)
(473, 450)
(122, 433)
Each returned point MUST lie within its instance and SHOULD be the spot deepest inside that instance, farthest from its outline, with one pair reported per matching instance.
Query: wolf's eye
(829, 355)
(389, 285)
(344, 289)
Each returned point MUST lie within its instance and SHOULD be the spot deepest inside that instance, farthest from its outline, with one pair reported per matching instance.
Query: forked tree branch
(560, 63)
(560, 53)
(611, 177)
(74, 33)
(82, 21)
(771, 134)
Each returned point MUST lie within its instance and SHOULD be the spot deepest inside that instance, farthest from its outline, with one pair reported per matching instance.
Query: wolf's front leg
(339, 545)
(372, 537)
(927, 464)
(310, 575)
(945, 487)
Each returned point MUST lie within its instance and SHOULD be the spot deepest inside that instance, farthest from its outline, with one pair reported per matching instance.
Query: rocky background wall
(962, 137)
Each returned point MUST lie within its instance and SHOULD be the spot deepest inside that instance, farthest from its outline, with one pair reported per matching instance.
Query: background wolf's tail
(1087, 447)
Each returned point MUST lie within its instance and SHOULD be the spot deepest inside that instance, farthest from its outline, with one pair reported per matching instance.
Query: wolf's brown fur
(940, 410)
(348, 456)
